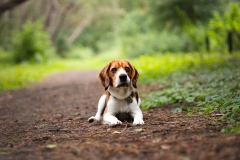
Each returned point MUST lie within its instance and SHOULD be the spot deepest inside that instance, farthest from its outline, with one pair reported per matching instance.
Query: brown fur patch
(107, 77)
(107, 99)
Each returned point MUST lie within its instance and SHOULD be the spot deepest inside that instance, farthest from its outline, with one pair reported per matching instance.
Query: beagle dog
(120, 102)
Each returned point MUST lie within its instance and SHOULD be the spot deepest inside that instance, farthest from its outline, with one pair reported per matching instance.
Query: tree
(9, 4)
(177, 13)
(224, 29)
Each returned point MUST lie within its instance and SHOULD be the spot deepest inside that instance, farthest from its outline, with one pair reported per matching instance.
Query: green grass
(23, 75)
(155, 68)
(208, 84)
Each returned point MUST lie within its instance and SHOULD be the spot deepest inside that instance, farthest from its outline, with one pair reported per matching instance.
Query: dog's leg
(137, 115)
(110, 119)
(101, 106)
(138, 118)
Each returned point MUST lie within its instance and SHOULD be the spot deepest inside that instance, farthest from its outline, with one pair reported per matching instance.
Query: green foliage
(192, 41)
(140, 27)
(5, 33)
(154, 67)
(211, 87)
(5, 57)
(221, 24)
(141, 39)
(32, 44)
(138, 38)
(135, 39)
(62, 47)
(24, 74)
(152, 42)
(129, 25)
(98, 35)
(179, 13)
(77, 52)
(179, 26)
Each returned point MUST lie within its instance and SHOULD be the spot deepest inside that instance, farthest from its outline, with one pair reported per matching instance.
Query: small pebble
(69, 119)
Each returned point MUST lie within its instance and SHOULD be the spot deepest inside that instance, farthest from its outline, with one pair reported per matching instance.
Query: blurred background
(46, 30)
(76, 28)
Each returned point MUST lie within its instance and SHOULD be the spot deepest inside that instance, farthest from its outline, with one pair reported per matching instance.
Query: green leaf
(177, 110)
(235, 109)
(190, 114)
(190, 99)
(207, 110)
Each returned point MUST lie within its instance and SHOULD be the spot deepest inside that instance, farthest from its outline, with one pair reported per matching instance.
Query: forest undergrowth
(205, 88)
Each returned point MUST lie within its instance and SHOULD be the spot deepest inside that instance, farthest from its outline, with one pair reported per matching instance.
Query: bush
(138, 37)
(77, 52)
(32, 44)
(150, 43)
(152, 67)
(221, 25)
(5, 57)
(194, 38)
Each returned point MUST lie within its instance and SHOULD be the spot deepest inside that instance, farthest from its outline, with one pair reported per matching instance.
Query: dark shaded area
(229, 41)
(10, 4)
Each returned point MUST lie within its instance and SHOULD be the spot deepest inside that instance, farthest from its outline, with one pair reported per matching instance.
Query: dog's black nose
(123, 77)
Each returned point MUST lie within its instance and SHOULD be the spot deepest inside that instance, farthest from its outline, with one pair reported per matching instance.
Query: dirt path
(49, 121)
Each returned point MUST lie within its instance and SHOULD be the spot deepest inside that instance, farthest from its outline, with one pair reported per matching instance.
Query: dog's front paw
(116, 123)
(113, 122)
(96, 117)
(91, 119)
(138, 121)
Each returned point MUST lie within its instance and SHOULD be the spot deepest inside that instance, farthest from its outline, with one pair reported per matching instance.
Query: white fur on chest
(120, 105)
(120, 93)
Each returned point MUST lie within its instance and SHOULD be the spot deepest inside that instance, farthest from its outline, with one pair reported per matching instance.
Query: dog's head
(119, 73)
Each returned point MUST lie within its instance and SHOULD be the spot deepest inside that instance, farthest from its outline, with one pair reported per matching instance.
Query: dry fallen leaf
(116, 132)
(165, 147)
(139, 130)
(156, 140)
(51, 146)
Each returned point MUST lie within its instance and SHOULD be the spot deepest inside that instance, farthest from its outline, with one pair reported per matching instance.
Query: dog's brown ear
(134, 75)
(104, 77)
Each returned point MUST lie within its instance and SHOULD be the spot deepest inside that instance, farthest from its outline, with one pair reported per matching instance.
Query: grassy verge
(210, 83)
(22, 75)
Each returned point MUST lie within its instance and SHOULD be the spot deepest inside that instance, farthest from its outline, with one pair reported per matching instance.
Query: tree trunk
(60, 22)
(207, 42)
(48, 13)
(7, 5)
(80, 28)
(229, 41)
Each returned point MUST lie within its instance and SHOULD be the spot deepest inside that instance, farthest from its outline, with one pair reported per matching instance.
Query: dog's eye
(127, 69)
(114, 70)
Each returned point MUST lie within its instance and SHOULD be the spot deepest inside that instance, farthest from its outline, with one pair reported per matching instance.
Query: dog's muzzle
(123, 78)
(123, 81)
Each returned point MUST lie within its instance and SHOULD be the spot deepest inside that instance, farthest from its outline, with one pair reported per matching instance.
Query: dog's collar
(129, 99)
